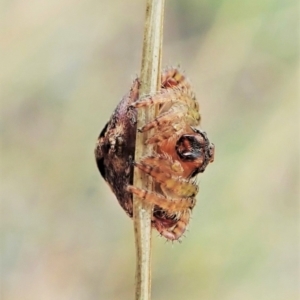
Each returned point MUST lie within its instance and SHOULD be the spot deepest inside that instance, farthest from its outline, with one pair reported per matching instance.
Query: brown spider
(182, 152)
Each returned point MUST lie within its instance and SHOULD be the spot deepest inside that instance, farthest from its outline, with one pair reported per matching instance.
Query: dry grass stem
(150, 77)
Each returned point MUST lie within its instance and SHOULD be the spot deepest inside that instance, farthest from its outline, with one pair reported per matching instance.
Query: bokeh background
(64, 67)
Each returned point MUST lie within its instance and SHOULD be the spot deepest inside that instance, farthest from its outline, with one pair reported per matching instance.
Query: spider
(182, 152)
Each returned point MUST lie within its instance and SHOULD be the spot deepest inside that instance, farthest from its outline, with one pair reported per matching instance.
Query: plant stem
(150, 82)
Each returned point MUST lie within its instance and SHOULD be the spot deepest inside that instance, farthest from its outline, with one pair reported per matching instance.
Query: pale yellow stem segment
(150, 82)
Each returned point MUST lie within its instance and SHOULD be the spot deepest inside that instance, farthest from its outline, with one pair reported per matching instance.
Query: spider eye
(188, 147)
(188, 155)
(196, 149)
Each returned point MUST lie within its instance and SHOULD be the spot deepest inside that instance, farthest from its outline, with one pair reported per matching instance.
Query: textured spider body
(182, 152)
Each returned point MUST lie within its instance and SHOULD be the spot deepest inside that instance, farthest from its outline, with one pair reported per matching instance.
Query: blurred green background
(64, 67)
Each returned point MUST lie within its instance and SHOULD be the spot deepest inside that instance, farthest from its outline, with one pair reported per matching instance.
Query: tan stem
(150, 82)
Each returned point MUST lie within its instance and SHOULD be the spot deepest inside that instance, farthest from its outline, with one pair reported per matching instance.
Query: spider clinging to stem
(182, 152)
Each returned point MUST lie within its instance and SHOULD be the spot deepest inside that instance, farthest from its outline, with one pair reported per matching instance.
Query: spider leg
(173, 115)
(162, 201)
(161, 136)
(160, 97)
(176, 231)
(166, 133)
(164, 162)
(172, 77)
(173, 186)
(178, 113)
(174, 94)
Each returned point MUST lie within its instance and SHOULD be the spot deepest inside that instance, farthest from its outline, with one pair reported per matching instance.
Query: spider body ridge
(182, 152)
